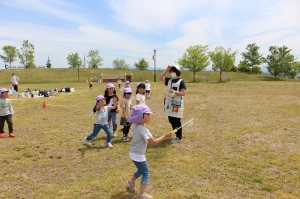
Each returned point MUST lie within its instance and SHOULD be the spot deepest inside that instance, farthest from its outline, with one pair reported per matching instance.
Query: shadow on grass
(269, 78)
(125, 195)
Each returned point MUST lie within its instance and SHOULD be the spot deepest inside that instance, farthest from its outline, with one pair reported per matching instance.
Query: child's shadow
(95, 144)
(124, 195)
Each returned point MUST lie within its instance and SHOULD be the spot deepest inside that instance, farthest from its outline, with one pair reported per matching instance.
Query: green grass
(243, 144)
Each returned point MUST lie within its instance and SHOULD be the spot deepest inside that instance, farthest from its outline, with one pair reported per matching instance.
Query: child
(6, 113)
(147, 88)
(101, 120)
(110, 94)
(91, 83)
(119, 82)
(140, 138)
(126, 107)
(127, 84)
(140, 94)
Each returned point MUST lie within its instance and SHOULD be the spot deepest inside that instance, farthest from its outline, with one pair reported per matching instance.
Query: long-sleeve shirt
(6, 107)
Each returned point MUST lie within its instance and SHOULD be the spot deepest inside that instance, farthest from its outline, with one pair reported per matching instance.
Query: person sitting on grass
(140, 138)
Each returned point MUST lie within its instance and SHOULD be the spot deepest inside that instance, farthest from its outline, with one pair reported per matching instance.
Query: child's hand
(168, 135)
(168, 67)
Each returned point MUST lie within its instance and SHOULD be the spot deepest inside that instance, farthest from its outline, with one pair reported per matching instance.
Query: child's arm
(160, 139)
(115, 103)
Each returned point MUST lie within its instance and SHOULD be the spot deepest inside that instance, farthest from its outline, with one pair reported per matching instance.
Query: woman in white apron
(174, 98)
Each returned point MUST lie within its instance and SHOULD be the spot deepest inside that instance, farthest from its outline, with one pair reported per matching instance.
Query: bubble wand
(175, 130)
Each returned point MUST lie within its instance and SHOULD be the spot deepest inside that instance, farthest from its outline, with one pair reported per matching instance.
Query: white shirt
(140, 98)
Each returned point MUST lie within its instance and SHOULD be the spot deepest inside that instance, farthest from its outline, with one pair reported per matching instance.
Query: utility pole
(154, 58)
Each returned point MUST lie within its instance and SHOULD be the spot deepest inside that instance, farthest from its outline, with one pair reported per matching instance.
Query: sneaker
(144, 196)
(126, 139)
(1, 135)
(114, 134)
(109, 144)
(86, 141)
(131, 185)
(12, 135)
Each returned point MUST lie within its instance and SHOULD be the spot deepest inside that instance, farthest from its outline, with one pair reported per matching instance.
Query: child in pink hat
(6, 113)
(101, 120)
(140, 138)
(110, 94)
(126, 107)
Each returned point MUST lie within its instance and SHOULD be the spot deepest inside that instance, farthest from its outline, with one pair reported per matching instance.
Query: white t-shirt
(139, 142)
(102, 115)
(147, 86)
(140, 98)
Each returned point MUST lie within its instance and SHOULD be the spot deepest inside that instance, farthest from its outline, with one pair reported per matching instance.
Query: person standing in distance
(14, 81)
(174, 97)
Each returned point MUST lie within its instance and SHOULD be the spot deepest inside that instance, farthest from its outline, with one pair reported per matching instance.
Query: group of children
(108, 110)
(107, 107)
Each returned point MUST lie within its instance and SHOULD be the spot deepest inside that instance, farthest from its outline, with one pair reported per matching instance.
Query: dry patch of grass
(243, 143)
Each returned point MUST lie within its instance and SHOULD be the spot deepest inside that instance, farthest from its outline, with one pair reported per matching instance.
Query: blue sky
(132, 29)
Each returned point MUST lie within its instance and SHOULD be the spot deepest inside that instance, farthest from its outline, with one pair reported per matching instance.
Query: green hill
(70, 75)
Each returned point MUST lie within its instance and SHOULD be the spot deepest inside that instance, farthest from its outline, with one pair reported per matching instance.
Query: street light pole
(78, 72)
(154, 57)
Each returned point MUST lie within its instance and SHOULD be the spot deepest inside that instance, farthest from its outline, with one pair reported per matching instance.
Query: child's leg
(10, 124)
(144, 171)
(126, 129)
(2, 120)
(114, 120)
(97, 128)
(107, 131)
(109, 118)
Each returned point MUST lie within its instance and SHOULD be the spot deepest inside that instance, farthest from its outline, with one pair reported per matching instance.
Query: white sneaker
(114, 134)
(86, 141)
(109, 144)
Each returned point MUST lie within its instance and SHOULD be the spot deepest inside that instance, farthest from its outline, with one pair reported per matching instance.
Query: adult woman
(174, 103)
(14, 81)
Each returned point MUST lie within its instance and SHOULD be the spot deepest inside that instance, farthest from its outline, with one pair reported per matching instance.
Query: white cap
(176, 66)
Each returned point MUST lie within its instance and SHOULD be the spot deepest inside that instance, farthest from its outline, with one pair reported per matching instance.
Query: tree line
(280, 60)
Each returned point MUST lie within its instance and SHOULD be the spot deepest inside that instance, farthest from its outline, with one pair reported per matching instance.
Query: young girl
(109, 94)
(126, 107)
(101, 120)
(140, 94)
(147, 88)
(140, 138)
(6, 113)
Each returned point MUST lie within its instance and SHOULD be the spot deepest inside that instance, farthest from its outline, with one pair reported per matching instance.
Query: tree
(48, 64)
(295, 69)
(243, 67)
(95, 59)
(26, 54)
(10, 54)
(142, 64)
(120, 64)
(280, 60)
(252, 57)
(195, 59)
(74, 60)
(222, 60)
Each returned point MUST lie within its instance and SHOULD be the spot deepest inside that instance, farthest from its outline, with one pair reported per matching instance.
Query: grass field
(243, 143)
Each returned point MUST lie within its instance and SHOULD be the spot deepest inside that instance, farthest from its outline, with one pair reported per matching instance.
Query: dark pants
(16, 87)
(126, 129)
(176, 123)
(8, 119)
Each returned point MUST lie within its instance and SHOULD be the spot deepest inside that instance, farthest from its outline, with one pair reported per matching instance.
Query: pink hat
(127, 90)
(137, 113)
(2, 90)
(100, 97)
(110, 85)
